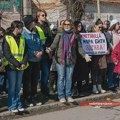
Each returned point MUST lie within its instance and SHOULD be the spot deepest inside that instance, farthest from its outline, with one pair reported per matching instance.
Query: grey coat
(57, 47)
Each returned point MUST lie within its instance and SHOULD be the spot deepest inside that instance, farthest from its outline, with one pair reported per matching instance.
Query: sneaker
(35, 102)
(62, 100)
(70, 99)
(103, 91)
(14, 111)
(28, 103)
(95, 92)
(21, 109)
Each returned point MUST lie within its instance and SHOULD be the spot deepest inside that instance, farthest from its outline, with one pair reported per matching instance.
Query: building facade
(11, 10)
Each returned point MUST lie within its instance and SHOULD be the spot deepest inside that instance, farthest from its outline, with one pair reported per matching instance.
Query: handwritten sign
(94, 43)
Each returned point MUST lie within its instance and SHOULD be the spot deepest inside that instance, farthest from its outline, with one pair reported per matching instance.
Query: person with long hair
(15, 52)
(98, 64)
(65, 46)
(81, 70)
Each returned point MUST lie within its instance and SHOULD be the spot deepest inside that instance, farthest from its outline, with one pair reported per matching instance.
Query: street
(80, 113)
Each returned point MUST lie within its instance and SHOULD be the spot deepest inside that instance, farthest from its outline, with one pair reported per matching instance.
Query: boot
(100, 89)
(94, 90)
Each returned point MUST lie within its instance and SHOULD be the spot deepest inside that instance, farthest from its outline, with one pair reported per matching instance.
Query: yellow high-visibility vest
(41, 34)
(18, 53)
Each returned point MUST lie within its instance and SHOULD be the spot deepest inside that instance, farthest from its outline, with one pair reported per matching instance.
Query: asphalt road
(80, 113)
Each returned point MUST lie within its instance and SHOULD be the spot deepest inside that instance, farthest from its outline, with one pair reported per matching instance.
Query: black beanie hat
(28, 20)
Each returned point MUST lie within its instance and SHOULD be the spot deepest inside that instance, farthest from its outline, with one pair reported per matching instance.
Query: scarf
(67, 40)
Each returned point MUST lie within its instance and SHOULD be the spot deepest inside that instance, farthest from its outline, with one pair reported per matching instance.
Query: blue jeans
(65, 73)
(45, 71)
(14, 86)
(112, 82)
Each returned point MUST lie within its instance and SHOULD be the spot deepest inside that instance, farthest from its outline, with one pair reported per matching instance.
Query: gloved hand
(87, 58)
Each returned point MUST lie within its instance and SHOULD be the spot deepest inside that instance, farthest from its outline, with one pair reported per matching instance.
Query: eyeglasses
(43, 15)
(66, 24)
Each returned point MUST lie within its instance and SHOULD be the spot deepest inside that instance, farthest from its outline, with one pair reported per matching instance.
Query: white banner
(94, 43)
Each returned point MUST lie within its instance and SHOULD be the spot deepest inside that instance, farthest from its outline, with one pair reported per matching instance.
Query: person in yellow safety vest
(45, 34)
(15, 53)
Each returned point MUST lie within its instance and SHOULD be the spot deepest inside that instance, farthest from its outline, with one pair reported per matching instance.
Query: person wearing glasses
(15, 52)
(44, 32)
(65, 45)
(98, 64)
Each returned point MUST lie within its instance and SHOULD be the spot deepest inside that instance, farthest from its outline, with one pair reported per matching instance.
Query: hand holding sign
(87, 58)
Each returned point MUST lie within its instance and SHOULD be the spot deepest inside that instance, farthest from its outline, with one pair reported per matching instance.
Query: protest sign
(94, 43)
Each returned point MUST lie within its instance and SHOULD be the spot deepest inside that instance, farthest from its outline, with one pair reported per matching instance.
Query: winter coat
(116, 58)
(34, 44)
(7, 53)
(2, 67)
(46, 29)
(98, 61)
(57, 46)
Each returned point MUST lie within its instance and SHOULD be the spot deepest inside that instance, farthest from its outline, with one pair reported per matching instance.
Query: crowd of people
(34, 52)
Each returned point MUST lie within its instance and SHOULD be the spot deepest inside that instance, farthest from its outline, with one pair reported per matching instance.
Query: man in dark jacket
(45, 35)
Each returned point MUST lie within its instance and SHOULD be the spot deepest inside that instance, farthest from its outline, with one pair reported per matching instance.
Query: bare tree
(76, 7)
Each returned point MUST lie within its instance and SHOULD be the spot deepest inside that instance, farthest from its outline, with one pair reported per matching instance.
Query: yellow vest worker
(15, 51)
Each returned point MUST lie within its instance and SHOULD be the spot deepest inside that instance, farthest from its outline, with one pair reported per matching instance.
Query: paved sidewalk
(54, 106)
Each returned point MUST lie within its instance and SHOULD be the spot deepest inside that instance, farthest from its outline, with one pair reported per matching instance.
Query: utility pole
(0, 18)
(27, 7)
(98, 8)
(21, 10)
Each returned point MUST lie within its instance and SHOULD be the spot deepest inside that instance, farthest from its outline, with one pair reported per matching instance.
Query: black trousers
(97, 76)
(30, 80)
(52, 79)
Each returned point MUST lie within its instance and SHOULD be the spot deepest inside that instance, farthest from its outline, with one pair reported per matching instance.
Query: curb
(58, 106)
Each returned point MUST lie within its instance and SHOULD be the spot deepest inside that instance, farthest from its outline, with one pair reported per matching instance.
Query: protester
(45, 35)
(65, 47)
(35, 51)
(106, 25)
(81, 70)
(53, 71)
(14, 50)
(3, 80)
(98, 64)
(114, 39)
(116, 61)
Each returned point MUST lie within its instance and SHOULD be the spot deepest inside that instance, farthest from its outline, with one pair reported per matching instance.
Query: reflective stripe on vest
(41, 34)
(15, 51)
